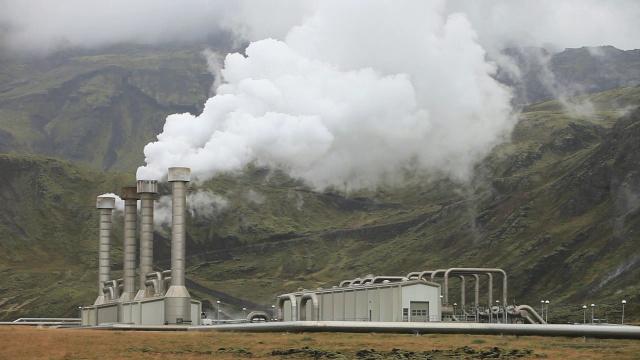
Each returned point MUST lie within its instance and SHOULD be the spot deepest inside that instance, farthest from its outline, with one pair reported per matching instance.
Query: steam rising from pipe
(346, 103)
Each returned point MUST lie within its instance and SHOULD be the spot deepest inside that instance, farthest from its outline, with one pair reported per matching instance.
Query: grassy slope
(48, 227)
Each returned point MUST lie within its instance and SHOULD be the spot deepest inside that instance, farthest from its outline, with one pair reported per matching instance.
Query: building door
(419, 311)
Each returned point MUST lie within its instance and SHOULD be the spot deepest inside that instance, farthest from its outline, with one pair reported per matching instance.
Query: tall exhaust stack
(147, 190)
(177, 301)
(105, 204)
(130, 196)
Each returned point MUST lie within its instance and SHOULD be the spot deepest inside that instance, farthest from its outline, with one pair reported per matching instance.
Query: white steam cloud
(201, 203)
(347, 102)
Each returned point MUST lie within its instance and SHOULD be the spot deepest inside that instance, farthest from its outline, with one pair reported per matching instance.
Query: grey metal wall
(369, 303)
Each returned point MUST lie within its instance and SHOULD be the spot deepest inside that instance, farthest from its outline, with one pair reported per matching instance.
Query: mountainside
(97, 109)
(537, 75)
(557, 207)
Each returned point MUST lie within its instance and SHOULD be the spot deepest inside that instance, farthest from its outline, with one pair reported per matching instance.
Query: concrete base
(143, 294)
(101, 300)
(177, 306)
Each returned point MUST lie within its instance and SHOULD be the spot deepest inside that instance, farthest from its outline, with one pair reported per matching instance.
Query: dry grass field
(25, 342)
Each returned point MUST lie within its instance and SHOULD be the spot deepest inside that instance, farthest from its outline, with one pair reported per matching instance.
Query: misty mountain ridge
(542, 75)
(557, 207)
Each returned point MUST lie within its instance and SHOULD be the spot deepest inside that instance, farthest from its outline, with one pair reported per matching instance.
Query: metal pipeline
(458, 271)
(280, 305)
(345, 283)
(315, 311)
(379, 279)
(111, 287)
(105, 205)
(130, 196)
(147, 190)
(593, 331)
(155, 279)
(530, 310)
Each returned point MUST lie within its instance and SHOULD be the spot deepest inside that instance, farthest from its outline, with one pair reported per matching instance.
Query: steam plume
(345, 102)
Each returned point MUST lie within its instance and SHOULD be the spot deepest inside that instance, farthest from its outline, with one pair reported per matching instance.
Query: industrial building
(407, 301)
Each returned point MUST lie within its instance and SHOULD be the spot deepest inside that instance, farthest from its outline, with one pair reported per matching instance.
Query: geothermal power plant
(418, 302)
(161, 296)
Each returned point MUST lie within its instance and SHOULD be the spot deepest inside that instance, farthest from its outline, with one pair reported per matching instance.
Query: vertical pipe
(105, 205)
(147, 190)
(177, 303)
(463, 295)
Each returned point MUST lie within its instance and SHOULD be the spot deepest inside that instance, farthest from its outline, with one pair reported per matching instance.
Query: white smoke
(201, 203)
(348, 102)
(205, 204)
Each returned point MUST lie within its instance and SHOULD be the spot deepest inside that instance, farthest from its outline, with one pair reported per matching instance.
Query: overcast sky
(40, 25)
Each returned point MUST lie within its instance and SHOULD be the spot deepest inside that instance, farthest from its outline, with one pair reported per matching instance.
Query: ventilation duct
(146, 190)
(105, 205)
(177, 304)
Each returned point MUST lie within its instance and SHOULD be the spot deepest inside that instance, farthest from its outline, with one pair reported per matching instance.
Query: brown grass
(22, 342)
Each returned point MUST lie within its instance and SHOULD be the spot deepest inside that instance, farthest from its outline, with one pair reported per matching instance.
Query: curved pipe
(257, 315)
(529, 309)
(155, 279)
(380, 279)
(294, 306)
(413, 275)
(315, 312)
(476, 271)
(109, 291)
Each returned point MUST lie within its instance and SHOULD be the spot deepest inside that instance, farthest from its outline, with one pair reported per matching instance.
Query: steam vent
(151, 303)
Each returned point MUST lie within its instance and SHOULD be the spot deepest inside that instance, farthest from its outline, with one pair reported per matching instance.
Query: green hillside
(97, 109)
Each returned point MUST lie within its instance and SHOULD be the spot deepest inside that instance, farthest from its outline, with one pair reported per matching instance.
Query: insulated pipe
(105, 204)
(462, 294)
(294, 307)
(476, 271)
(156, 281)
(345, 283)
(476, 298)
(530, 310)
(315, 311)
(379, 279)
(130, 196)
(589, 331)
(177, 300)
(147, 190)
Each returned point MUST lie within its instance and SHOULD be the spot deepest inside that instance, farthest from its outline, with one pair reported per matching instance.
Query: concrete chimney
(130, 196)
(105, 204)
(177, 302)
(147, 190)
